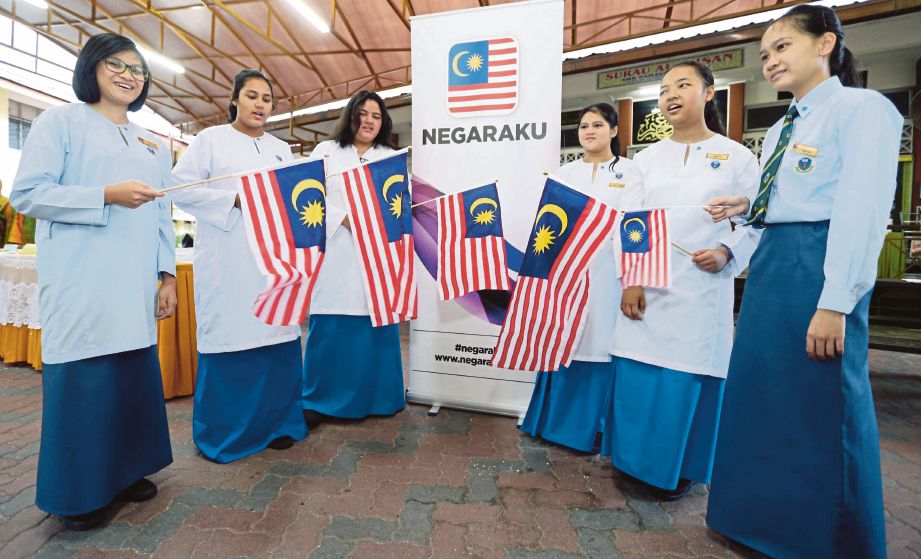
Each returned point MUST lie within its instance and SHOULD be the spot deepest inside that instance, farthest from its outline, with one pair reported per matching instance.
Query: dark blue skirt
(661, 424)
(568, 406)
(352, 369)
(103, 428)
(246, 399)
(797, 463)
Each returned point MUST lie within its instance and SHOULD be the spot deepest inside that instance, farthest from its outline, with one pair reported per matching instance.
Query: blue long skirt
(662, 423)
(568, 406)
(797, 463)
(246, 399)
(352, 369)
(103, 428)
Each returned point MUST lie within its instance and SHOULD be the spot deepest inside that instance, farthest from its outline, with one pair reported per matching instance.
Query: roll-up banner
(487, 86)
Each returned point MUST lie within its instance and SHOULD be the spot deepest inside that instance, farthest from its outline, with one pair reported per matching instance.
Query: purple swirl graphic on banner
(490, 306)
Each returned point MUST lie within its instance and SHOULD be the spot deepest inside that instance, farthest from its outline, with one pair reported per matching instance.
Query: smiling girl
(797, 466)
(671, 346)
(248, 382)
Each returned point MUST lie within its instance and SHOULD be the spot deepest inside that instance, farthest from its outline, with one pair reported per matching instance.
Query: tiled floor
(455, 485)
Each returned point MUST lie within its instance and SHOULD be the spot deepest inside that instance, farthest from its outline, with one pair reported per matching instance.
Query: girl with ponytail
(567, 405)
(797, 469)
(671, 346)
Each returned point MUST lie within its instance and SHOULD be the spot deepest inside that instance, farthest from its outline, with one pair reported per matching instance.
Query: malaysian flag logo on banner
(284, 213)
(483, 77)
(471, 249)
(548, 306)
(645, 258)
(379, 206)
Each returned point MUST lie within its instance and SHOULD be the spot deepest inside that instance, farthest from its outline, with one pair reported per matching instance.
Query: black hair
(607, 112)
(98, 48)
(238, 82)
(711, 110)
(350, 120)
(817, 21)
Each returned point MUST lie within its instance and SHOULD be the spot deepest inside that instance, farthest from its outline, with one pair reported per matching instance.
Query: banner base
(464, 405)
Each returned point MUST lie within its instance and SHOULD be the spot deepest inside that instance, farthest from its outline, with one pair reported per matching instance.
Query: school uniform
(671, 365)
(568, 406)
(797, 464)
(104, 420)
(247, 390)
(351, 369)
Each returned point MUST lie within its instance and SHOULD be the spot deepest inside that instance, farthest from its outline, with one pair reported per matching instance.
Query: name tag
(615, 185)
(718, 156)
(806, 150)
(148, 143)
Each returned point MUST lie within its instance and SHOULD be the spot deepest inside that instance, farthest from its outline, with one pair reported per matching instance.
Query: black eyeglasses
(139, 72)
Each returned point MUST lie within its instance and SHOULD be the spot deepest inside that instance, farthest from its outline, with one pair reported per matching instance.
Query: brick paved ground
(456, 485)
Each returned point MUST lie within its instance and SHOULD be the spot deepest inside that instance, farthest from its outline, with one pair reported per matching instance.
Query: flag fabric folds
(284, 214)
(471, 249)
(645, 256)
(379, 208)
(548, 307)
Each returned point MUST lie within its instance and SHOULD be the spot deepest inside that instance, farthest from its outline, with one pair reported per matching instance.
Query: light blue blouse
(840, 165)
(98, 264)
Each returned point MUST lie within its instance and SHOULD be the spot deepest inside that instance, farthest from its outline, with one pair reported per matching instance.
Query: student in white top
(567, 406)
(671, 346)
(247, 392)
(797, 469)
(351, 369)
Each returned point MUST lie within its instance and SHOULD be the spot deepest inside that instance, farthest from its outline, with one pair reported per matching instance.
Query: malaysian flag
(545, 317)
(378, 201)
(483, 77)
(645, 258)
(471, 249)
(284, 213)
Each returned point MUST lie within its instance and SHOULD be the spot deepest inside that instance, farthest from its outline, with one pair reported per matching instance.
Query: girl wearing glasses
(247, 392)
(104, 237)
(797, 469)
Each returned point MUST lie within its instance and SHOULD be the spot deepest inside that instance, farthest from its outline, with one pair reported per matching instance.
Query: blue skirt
(568, 406)
(352, 369)
(246, 399)
(103, 428)
(797, 463)
(661, 424)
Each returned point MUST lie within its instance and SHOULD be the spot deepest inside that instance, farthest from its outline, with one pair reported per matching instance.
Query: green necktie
(759, 207)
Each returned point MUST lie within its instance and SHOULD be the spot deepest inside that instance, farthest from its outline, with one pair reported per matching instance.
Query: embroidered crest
(715, 164)
(805, 165)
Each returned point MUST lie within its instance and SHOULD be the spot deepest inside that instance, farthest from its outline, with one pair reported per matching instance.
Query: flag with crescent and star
(284, 215)
(471, 249)
(645, 255)
(483, 77)
(378, 202)
(548, 307)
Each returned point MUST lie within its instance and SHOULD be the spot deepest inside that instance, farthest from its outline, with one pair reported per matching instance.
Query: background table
(20, 327)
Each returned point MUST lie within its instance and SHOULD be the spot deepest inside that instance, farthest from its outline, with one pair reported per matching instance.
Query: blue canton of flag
(559, 208)
(634, 232)
(481, 212)
(302, 187)
(391, 184)
(469, 63)
(645, 258)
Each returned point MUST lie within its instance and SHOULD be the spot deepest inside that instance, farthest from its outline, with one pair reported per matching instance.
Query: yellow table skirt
(175, 341)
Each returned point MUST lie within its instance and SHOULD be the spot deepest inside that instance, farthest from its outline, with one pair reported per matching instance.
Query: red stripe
(501, 41)
(377, 240)
(481, 108)
(257, 229)
(362, 247)
(443, 245)
(503, 62)
(272, 233)
(484, 96)
(490, 85)
(502, 73)
(378, 214)
(289, 238)
(499, 52)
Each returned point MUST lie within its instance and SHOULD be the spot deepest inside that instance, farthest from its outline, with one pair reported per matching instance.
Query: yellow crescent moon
(635, 219)
(305, 184)
(392, 180)
(557, 211)
(454, 64)
(479, 201)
